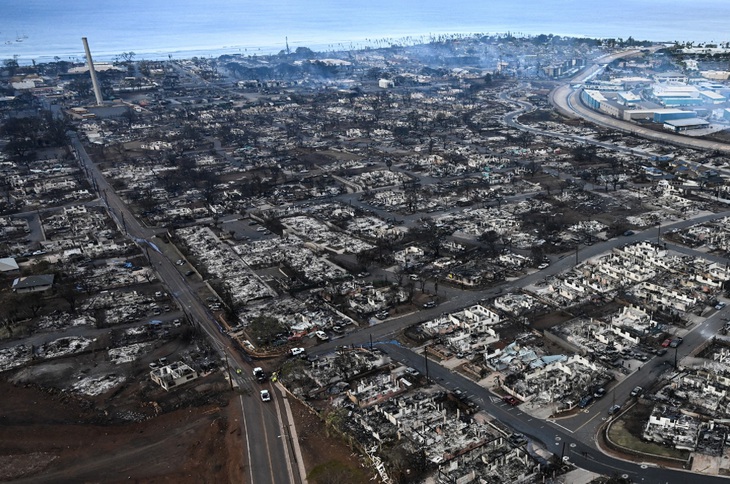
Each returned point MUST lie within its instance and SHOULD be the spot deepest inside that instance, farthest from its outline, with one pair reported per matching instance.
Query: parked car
(296, 351)
(322, 335)
(637, 391)
(585, 401)
(614, 409)
(599, 392)
(511, 400)
(412, 371)
(429, 304)
(661, 352)
(676, 342)
(265, 396)
(544, 265)
(666, 343)
(720, 305)
(189, 273)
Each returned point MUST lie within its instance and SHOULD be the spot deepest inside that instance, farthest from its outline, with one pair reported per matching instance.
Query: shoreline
(318, 46)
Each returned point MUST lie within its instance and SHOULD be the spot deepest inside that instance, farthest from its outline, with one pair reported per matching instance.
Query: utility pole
(371, 341)
(577, 246)
(675, 356)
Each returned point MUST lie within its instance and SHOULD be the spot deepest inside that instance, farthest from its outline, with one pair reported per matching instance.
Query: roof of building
(629, 96)
(683, 123)
(8, 264)
(595, 95)
(33, 281)
(712, 95)
(671, 111)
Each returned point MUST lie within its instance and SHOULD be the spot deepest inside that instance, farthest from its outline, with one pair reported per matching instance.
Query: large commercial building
(663, 115)
(679, 125)
(677, 95)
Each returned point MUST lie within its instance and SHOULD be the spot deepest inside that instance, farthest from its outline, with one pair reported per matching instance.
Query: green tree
(490, 238)
(264, 329)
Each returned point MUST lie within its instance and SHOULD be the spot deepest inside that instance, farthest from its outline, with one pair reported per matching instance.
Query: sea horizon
(34, 30)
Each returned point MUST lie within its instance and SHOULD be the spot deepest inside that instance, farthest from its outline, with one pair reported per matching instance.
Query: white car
(265, 396)
(322, 335)
(297, 351)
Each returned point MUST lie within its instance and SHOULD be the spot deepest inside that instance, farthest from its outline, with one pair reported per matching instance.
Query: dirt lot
(56, 438)
(327, 458)
(53, 437)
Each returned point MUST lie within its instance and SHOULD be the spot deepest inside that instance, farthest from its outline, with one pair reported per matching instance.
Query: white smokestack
(94, 81)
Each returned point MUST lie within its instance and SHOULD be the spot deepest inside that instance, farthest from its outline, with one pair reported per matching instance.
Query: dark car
(259, 374)
(511, 400)
(614, 409)
(661, 352)
(676, 342)
(585, 401)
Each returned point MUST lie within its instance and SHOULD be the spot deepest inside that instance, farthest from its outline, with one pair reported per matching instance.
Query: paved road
(269, 458)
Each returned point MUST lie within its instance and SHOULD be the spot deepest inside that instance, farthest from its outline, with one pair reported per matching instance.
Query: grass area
(620, 435)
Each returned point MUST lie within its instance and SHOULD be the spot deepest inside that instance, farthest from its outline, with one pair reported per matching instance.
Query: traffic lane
(550, 436)
(263, 438)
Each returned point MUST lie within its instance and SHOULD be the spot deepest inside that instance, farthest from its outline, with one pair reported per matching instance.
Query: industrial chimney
(94, 81)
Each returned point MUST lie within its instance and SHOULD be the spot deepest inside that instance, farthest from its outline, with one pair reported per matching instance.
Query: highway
(567, 101)
(269, 454)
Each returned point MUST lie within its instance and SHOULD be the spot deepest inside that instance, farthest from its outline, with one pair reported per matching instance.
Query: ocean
(41, 30)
